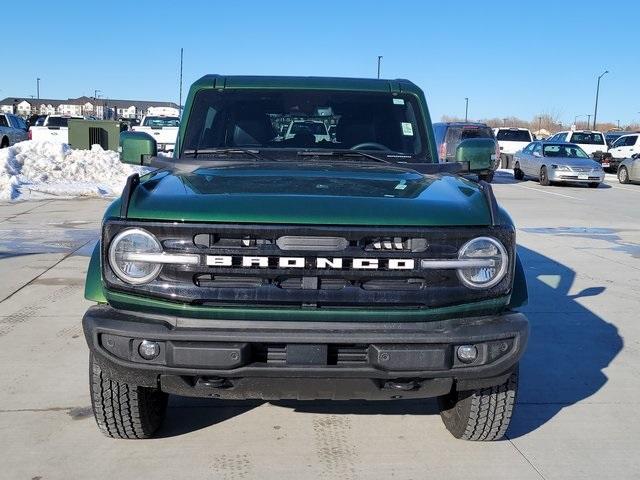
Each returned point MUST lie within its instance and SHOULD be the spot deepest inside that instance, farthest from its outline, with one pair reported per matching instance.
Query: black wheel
(481, 415)
(623, 175)
(517, 173)
(4, 143)
(487, 177)
(505, 162)
(123, 410)
(544, 177)
(594, 184)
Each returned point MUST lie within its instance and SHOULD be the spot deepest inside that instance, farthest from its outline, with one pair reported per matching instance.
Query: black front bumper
(305, 360)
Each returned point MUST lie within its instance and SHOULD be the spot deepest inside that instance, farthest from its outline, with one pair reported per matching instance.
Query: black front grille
(309, 286)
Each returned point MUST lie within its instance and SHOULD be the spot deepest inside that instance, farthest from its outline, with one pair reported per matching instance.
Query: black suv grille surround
(278, 287)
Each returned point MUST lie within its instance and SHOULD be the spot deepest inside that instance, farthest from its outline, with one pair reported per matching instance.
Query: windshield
(514, 135)
(472, 131)
(161, 122)
(58, 121)
(587, 138)
(300, 119)
(568, 151)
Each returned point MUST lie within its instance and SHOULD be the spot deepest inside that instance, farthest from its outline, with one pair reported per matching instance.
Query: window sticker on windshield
(402, 185)
(407, 129)
(398, 101)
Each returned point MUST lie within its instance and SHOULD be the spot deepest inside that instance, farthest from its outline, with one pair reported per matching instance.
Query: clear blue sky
(509, 58)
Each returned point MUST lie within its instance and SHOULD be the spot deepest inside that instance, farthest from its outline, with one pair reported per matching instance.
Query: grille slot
(338, 355)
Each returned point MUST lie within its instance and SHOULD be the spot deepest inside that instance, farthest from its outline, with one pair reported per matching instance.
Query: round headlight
(487, 262)
(134, 241)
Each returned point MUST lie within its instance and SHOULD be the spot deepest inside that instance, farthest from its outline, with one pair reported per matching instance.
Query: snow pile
(35, 169)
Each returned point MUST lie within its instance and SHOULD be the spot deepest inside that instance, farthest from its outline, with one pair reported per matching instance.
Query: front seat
(252, 128)
(352, 130)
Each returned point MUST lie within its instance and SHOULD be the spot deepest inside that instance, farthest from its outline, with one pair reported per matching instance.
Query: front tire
(487, 177)
(623, 175)
(544, 177)
(4, 143)
(480, 415)
(124, 410)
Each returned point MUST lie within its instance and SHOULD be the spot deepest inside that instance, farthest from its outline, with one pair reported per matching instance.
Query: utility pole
(588, 120)
(379, 58)
(38, 87)
(618, 123)
(595, 112)
(180, 101)
(466, 108)
(95, 94)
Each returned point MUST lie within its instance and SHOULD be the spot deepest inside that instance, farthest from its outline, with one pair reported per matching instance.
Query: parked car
(449, 136)
(612, 135)
(316, 128)
(54, 128)
(511, 140)
(557, 163)
(624, 147)
(35, 120)
(629, 169)
(164, 130)
(253, 267)
(590, 141)
(13, 129)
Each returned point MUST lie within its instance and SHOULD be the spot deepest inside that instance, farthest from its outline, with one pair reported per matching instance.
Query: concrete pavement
(579, 379)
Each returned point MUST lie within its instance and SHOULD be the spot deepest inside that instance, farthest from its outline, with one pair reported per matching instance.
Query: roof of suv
(316, 83)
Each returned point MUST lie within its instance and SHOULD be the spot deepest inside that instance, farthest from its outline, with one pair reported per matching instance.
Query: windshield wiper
(342, 153)
(223, 151)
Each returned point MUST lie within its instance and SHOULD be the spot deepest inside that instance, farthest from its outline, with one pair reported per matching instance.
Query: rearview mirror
(137, 147)
(478, 153)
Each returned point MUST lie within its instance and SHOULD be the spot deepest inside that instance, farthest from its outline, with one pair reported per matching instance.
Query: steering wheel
(370, 146)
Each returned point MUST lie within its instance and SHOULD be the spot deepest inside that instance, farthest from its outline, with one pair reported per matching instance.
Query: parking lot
(576, 414)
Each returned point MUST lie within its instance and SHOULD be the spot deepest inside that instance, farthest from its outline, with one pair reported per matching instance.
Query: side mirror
(537, 154)
(478, 153)
(137, 147)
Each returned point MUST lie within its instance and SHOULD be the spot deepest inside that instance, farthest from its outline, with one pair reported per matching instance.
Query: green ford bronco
(258, 263)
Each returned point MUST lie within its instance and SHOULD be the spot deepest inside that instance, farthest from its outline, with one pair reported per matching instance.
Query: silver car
(629, 169)
(13, 129)
(557, 162)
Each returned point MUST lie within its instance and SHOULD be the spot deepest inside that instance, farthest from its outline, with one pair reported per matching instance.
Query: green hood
(320, 194)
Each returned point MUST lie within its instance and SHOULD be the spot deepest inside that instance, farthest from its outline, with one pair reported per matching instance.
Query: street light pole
(466, 108)
(379, 58)
(38, 87)
(180, 100)
(595, 112)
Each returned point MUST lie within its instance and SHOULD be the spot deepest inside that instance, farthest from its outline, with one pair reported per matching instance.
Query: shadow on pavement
(569, 346)
(568, 349)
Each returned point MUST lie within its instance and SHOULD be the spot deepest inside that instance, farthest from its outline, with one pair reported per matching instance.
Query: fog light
(149, 350)
(467, 353)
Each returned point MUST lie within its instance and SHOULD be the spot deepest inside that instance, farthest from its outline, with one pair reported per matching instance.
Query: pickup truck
(13, 129)
(251, 266)
(55, 128)
(163, 129)
(510, 141)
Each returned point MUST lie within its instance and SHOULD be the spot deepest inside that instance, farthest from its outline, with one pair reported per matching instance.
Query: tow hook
(402, 386)
(212, 382)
